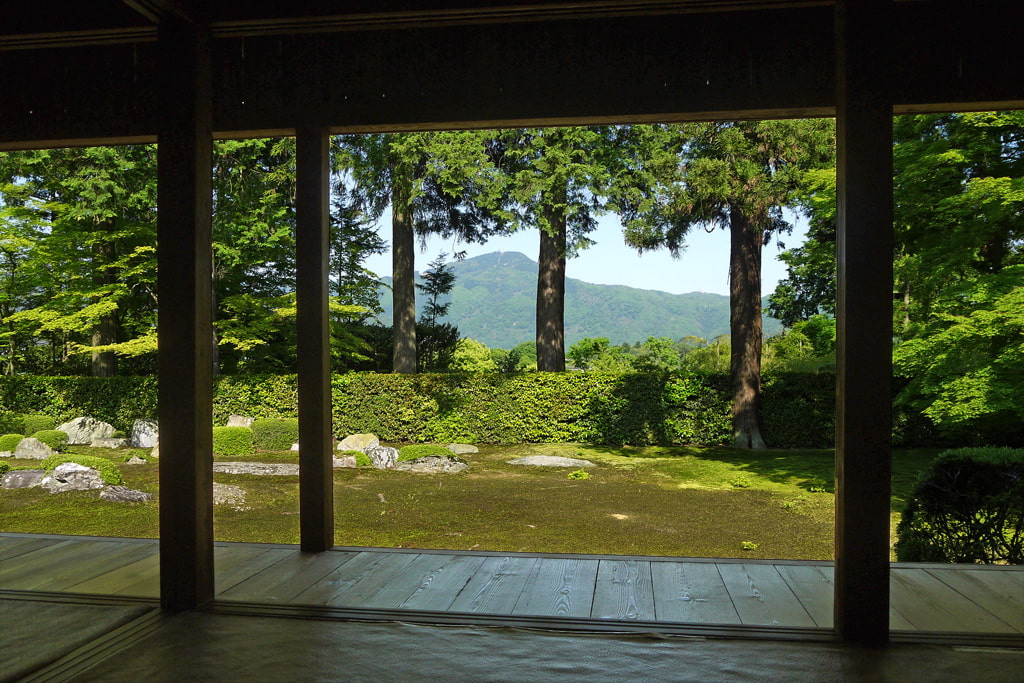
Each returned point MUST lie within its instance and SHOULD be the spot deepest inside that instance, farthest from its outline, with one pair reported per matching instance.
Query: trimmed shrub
(54, 438)
(421, 450)
(8, 442)
(362, 459)
(275, 434)
(37, 423)
(968, 506)
(4, 468)
(107, 469)
(233, 441)
(10, 422)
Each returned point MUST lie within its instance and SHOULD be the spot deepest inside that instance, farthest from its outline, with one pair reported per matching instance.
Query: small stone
(6, 454)
(462, 448)
(232, 496)
(136, 460)
(345, 461)
(295, 447)
(123, 494)
(382, 457)
(70, 476)
(109, 443)
(155, 453)
(259, 468)
(145, 433)
(239, 421)
(32, 449)
(550, 461)
(83, 430)
(434, 464)
(359, 442)
(22, 479)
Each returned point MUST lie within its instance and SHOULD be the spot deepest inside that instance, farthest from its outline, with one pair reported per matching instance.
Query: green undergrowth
(675, 501)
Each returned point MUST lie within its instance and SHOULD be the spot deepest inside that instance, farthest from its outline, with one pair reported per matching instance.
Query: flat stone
(70, 476)
(383, 457)
(109, 443)
(232, 496)
(82, 430)
(261, 468)
(239, 421)
(136, 460)
(6, 454)
(550, 461)
(295, 447)
(123, 494)
(462, 448)
(22, 479)
(359, 442)
(434, 464)
(32, 449)
(345, 461)
(145, 433)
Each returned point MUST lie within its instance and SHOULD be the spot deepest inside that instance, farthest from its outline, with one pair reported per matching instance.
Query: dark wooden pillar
(316, 470)
(864, 316)
(184, 282)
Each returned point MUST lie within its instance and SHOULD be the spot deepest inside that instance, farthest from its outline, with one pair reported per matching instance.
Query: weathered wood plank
(559, 587)
(1001, 593)
(496, 586)
(814, 587)
(282, 581)
(105, 560)
(430, 582)
(13, 574)
(121, 581)
(368, 579)
(762, 597)
(11, 547)
(931, 605)
(624, 591)
(234, 564)
(691, 592)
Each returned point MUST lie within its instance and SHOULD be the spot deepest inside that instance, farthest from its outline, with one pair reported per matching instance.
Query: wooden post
(864, 321)
(185, 372)
(316, 469)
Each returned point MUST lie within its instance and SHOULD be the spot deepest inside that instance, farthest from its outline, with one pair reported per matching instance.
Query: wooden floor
(783, 594)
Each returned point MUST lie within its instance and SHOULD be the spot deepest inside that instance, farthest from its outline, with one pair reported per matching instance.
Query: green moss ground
(647, 501)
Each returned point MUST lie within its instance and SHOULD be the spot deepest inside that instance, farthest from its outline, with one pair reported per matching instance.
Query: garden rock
(382, 457)
(145, 433)
(232, 496)
(136, 460)
(32, 449)
(260, 468)
(239, 421)
(109, 443)
(359, 442)
(295, 447)
(550, 461)
(462, 448)
(6, 454)
(123, 494)
(155, 453)
(22, 479)
(434, 464)
(345, 461)
(83, 430)
(70, 476)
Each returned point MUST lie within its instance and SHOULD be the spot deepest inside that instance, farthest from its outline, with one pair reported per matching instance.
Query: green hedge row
(530, 407)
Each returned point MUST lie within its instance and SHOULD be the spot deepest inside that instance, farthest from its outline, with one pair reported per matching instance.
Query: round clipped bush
(275, 434)
(967, 507)
(8, 442)
(362, 459)
(421, 450)
(37, 423)
(4, 468)
(233, 441)
(54, 438)
(107, 469)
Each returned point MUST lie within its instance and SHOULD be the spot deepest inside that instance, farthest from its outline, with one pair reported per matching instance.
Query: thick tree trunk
(403, 285)
(551, 296)
(745, 329)
(105, 332)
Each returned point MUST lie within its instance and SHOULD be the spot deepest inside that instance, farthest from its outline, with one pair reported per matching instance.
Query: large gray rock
(22, 479)
(345, 461)
(262, 468)
(462, 448)
(232, 496)
(109, 443)
(239, 421)
(359, 442)
(83, 430)
(32, 449)
(382, 457)
(434, 464)
(550, 461)
(123, 494)
(70, 476)
(145, 434)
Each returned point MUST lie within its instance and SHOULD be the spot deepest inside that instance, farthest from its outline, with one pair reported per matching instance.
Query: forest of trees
(78, 251)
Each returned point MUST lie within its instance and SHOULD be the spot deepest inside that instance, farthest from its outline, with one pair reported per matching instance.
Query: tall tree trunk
(745, 329)
(403, 285)
(105, 332)
(551, 293)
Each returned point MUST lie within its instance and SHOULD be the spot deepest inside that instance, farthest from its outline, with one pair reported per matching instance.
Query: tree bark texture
(104, 364)
(404, 276)
(745, 329)
(551, 296)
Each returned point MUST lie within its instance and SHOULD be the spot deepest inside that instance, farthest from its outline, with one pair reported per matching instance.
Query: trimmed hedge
(107, 469)
(8, 442)
(968, 506)
(37, 423)
(116, 400)
(54, 438)
(421, 450)
(275, 434)
(233, 441)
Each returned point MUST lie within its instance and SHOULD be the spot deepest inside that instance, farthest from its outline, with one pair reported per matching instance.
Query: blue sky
(703, 267)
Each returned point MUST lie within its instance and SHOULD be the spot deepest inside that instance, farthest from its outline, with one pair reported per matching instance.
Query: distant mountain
(495, 294)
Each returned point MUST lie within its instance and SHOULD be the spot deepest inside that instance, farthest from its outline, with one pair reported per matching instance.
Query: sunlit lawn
(677, 501)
